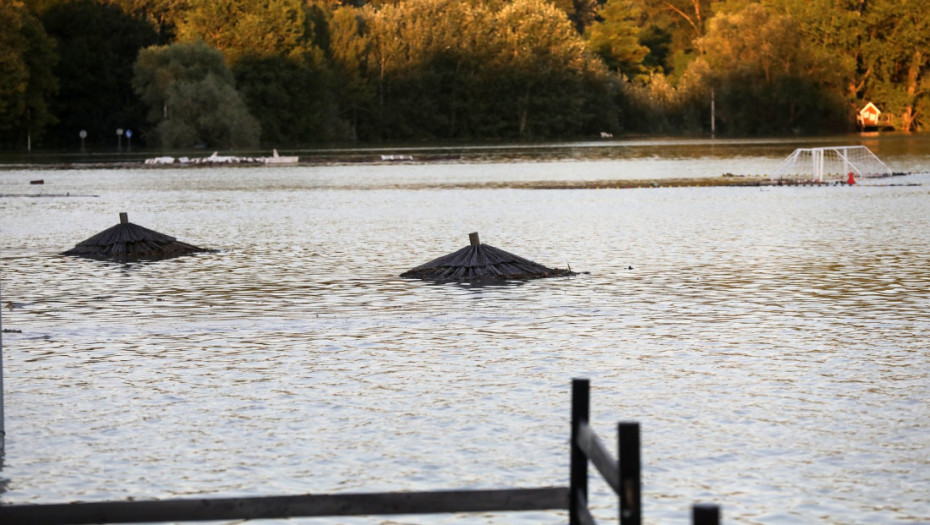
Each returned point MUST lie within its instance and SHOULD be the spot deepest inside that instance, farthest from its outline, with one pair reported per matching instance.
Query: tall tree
(192, 98)
(878, 48)
(670, 29)
(14, 74)
(98, 45)
(765, 77)
(164, 15)
(27, 82)
(445, 68)
(346, 50)
(413, 59)
(545, 62)
(292, 101)
(244, 27)
(615, 37)
(39, 7)
(582, 13)
(897, 54)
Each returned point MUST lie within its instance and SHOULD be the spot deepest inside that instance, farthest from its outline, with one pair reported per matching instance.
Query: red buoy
(851, 180)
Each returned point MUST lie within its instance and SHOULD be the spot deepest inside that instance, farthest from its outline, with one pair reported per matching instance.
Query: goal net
(832, 162)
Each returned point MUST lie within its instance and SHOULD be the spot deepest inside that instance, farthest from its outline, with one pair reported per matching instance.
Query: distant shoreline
(381, 159)
(304, 161)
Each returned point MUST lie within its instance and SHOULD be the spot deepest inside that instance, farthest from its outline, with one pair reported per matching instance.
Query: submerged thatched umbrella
(130, 242)
(480, 262)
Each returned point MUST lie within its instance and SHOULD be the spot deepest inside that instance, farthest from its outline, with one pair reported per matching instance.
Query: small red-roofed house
(868, 116)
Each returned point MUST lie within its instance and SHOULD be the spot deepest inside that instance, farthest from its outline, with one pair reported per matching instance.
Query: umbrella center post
(473, 237)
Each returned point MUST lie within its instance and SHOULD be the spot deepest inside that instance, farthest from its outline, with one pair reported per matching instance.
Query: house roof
(481, 262)
(127, 242)
(870, 108)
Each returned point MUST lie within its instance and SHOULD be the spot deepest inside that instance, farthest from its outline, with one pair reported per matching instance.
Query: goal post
(832, 162)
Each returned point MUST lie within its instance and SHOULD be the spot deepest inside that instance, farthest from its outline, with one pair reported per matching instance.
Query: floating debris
(127, 242)
(480, 263)
(278, 159)
(216, 158)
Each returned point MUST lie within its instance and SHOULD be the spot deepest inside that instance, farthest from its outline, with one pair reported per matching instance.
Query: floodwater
(772, 342)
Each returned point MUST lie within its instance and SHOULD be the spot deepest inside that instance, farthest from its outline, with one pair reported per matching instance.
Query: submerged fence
(621, 474)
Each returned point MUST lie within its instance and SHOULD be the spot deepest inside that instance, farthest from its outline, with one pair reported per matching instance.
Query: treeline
(236, 73)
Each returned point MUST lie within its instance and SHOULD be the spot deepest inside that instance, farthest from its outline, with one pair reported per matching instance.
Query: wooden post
(473, 238)
(705, 514)
(123, 217)
(578, 479)
(631, 511)
(2, 415)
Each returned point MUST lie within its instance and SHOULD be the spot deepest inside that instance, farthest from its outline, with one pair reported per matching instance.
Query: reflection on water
(772, 342)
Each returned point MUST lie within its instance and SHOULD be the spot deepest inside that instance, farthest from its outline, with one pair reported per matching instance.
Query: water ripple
(772, 342)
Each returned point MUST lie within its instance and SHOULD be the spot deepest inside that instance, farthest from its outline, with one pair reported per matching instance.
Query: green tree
(244, 27)
(292, 101)
(878, 48)
(543, 63)
(670, 29)
(14, 75)
(98, 45)
(582, 13)
(164, 15)
(385, 49)
(466, 69)
(896, 58)
(346, 49)
(829, 31)
(192, 98)
(615, 37)
(765, 77)
(38, 7)
(27, 56)
(413, 59)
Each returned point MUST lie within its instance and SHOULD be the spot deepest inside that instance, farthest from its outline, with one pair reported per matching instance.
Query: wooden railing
(622, 476)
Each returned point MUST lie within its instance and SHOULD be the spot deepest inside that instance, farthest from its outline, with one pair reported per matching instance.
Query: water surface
(772, 342)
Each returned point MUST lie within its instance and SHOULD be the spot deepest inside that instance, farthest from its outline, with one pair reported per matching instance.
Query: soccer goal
(832, 162)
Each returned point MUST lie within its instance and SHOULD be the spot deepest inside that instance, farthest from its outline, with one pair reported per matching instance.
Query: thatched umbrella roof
(481, 262)
(130, 242)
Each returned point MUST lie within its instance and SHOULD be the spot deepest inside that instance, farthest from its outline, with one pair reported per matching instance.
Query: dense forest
(239, 73)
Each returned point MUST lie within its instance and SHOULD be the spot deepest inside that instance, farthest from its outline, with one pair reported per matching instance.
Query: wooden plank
(594, 448)
(270, 507)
